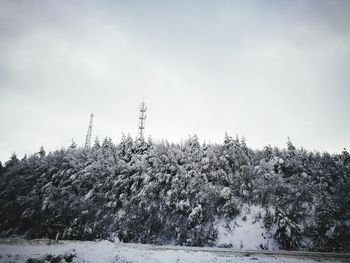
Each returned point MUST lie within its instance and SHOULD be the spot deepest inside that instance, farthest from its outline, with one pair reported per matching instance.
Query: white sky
(262, 69)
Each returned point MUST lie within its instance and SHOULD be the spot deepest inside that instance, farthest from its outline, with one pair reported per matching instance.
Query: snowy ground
(246, 231)
(104, 251)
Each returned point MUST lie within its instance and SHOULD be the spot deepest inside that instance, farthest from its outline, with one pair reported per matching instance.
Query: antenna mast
(142, 119)
(89, 133)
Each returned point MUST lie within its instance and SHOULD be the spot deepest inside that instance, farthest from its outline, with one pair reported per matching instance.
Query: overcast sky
(263, 69)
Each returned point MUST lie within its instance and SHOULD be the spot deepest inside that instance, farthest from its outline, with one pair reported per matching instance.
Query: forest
(166, 193)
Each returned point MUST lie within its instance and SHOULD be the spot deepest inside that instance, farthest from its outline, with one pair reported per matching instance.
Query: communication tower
(89, 133)
(142, 119)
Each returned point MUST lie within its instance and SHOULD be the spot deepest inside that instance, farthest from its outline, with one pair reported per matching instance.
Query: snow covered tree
(1, 168)
(287, 232)
(12, 162)
(162, 192)
(41, 152)
(73, 145)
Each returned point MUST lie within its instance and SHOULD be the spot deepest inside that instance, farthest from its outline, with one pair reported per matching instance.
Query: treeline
(141, 191)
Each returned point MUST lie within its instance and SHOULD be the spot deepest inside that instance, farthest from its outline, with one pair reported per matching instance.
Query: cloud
(264, 70)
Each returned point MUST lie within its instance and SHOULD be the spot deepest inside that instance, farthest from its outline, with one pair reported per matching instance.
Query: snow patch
(88, 195)
(246, 231)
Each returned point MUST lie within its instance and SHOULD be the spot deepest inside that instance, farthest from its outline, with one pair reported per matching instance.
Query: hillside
(224, 195)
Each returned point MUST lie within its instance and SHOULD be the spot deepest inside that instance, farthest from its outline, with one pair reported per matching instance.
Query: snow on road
(105, 251)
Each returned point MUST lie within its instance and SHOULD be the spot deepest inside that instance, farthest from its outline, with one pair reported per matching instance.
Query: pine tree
(97, 144)
(1, 168)
(73, 145)
(287, 232)
(41, 152)
(13, 161)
